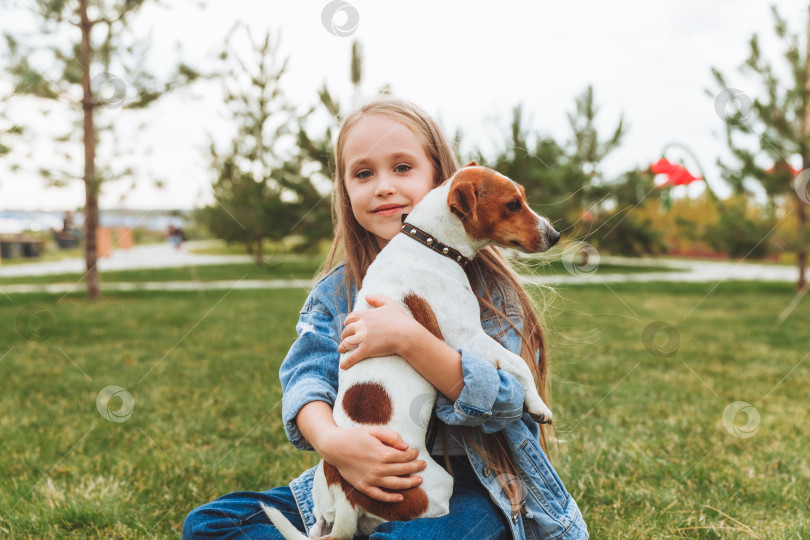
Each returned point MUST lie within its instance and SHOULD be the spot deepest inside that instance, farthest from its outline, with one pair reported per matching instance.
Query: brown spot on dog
(414, 505)
(331, 473)
(423, 313)
(368, 403)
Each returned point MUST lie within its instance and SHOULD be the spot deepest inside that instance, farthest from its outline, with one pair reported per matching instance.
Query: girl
(389, 154)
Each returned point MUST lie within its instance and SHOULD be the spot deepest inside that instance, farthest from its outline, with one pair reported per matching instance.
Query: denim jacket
(490, 399)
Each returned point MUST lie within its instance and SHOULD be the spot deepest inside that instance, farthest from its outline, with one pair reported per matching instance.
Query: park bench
(13, 246)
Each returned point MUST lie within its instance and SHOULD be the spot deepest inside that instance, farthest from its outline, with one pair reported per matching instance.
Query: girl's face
(387, 173)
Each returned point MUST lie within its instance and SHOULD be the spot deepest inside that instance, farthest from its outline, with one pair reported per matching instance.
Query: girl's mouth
(388, 211)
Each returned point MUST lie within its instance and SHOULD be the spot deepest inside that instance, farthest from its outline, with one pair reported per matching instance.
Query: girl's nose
(385, 185)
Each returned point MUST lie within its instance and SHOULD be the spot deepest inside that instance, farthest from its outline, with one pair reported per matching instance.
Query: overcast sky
(467, 63)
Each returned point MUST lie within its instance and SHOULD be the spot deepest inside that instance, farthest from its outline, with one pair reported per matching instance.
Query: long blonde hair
(355, 246)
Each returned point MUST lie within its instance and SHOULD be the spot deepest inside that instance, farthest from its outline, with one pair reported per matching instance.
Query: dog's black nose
(553, 237)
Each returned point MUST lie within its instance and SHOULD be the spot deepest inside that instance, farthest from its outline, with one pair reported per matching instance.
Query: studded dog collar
(426, 240)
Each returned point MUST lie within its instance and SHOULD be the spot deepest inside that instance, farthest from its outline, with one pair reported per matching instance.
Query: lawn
(644, 447)
(48, 254)
(292, 266)
(300, 267)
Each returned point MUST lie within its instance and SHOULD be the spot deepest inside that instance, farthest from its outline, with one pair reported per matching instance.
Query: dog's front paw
(540, 418)
(538, 410)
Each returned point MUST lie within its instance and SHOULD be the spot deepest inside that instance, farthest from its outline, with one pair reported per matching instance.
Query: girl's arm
(372, 459)
(472, 391)
(434, 359)
(394, 332)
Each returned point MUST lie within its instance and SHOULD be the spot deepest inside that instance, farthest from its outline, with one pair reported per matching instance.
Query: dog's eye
(514, 206)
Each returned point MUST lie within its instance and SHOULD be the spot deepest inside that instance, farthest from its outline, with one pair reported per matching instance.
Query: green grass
(300, 267)
(292, 266)
(222, 249)
(47, 255)
(645, 453)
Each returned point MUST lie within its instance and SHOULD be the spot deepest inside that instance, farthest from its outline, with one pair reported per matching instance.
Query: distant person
(181, 236)
(176, 236)
(67, 223)
(66, 238)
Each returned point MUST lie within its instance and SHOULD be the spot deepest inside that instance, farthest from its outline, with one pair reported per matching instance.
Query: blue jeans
(472, 515)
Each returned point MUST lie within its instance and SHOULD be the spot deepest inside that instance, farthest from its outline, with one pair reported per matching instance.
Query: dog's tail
(283, 524)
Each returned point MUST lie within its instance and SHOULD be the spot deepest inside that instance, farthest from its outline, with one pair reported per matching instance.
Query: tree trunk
(260, 250)
(801, 248)
(801, 253)
(90, 181)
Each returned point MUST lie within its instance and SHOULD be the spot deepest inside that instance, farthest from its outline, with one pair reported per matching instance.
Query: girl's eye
(403, 167)
(514, 206)
(363, 174)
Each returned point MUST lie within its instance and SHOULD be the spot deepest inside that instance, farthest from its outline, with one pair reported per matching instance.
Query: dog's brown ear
(471, 164)
(462, 200)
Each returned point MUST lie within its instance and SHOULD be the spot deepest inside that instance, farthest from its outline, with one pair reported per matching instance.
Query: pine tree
(7, 132)
(99, 29)
(319, 149)
(562, 180)
(587, 151)
(765, 133)
(261, 192)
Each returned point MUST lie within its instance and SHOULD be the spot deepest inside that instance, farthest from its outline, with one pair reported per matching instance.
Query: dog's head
(493, 208)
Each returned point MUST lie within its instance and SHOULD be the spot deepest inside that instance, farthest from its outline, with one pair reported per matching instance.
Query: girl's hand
(374, 332)
(375, 460)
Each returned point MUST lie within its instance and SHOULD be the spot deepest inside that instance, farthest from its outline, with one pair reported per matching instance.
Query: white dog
(422, 269)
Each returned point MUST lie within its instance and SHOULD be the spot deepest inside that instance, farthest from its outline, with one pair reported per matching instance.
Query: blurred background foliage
(272, 182)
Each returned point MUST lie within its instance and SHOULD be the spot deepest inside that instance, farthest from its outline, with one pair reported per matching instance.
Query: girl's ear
(471, 164)
(462, 200)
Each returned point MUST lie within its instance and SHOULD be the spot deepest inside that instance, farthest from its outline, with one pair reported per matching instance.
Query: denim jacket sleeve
(491, 398)
(310, 370)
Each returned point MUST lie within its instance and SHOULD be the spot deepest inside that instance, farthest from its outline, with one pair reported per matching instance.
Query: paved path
(164, 255)
(686, 271)
(138, 257)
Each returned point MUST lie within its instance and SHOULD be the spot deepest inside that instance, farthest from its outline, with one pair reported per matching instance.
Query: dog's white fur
(405, 266)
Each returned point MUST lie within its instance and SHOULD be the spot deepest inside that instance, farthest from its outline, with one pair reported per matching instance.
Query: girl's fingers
(405, 456)
(349, 360)
(399, 483)
(375, 299)
(346, 345)
(389, 438)
(405, 469)
(348, 331)
(352, 337)
(354, 340)
(376, 493)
